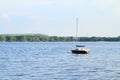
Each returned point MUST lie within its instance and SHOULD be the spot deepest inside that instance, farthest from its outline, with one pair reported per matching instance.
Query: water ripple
(54, 61)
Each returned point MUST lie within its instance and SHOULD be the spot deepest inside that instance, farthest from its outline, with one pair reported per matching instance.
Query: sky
(58, 17)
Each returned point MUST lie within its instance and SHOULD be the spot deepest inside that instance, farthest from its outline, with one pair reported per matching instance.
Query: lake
(54, 61)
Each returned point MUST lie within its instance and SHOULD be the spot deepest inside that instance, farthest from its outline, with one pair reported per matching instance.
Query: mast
(76, 29)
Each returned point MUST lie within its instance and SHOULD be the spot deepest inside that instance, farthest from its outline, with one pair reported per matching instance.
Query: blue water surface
(54, 61)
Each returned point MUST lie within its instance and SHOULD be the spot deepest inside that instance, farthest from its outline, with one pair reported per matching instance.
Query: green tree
(2, 38)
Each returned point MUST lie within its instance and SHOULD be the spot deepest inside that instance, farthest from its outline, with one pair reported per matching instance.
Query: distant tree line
(45, 38)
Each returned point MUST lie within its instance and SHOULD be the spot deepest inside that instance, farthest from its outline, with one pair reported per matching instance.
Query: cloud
(56, 2)
(108, 6)
(116, 11)
(28, 14)
(47, 3)
(4, 17)
(103, 2)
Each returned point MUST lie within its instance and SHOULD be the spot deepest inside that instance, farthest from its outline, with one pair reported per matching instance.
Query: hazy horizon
(58, 18)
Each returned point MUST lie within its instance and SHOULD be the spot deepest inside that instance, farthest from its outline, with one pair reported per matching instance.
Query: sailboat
(79, 49)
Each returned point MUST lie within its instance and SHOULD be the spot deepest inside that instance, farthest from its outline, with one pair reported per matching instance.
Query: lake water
(54, 61)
